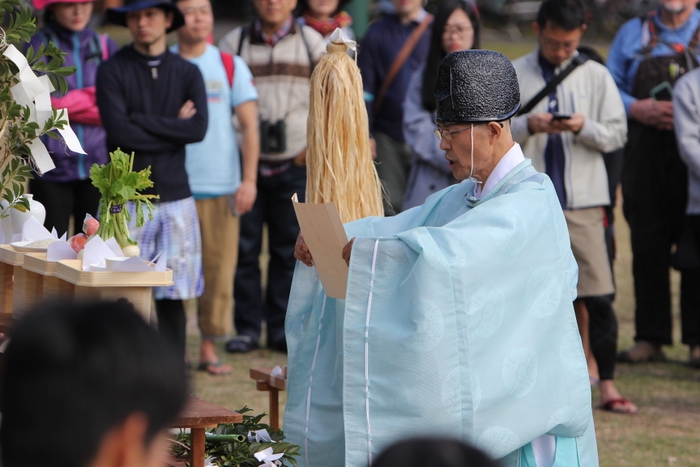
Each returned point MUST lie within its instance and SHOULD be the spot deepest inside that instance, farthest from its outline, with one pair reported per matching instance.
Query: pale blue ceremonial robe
(458, 322)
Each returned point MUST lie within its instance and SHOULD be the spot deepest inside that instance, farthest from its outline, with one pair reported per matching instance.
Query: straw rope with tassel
(339, 161)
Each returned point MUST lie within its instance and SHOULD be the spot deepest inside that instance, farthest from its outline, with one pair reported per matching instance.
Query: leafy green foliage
(16, 172)
(119, 184)
(16, 130)
(228, 446)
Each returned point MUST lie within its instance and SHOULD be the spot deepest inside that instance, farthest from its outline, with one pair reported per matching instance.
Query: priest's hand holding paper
(301, 251)
(347, 249)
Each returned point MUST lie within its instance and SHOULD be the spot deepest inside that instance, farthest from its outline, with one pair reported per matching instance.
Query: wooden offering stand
(103, 285)
(272, 384)
(50, 286)
(199, 415)
(19, 287)
(26, 279)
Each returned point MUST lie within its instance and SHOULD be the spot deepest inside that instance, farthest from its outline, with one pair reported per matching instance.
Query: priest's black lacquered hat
(476, 86)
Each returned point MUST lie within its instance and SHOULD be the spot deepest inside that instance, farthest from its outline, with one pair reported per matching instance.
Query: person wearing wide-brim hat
(458, 313)
(153, 103)
(118, 15)
(67, 191)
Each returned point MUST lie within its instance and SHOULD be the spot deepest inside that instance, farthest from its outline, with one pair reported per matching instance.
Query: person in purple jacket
(67, 190)
(456, 27)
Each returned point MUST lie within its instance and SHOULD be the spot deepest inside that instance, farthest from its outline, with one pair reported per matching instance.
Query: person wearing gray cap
(458, 317)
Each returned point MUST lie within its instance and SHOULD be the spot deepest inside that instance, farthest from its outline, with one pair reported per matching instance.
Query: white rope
(311, 379)
(367, 320)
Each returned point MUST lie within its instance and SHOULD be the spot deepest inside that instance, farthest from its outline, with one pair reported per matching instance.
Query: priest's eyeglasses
(447, 134)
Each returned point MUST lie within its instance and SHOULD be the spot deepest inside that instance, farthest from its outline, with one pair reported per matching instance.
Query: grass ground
(664, 433)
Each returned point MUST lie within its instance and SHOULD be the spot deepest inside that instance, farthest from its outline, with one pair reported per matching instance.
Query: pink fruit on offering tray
(90, 225)
(78, 241)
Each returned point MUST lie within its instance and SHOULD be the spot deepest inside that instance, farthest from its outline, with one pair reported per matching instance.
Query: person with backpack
(67, 190)
(281, 54)
(222, 176)
(646, 58)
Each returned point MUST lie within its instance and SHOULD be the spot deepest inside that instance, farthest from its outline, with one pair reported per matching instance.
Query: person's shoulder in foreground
(99, 377)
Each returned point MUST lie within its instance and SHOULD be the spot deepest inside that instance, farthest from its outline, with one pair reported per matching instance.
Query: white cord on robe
(367, 321)
(471, 171)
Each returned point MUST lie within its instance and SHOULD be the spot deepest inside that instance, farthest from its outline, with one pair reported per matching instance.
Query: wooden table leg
(274, 398)
(274, 408)
(197, 441)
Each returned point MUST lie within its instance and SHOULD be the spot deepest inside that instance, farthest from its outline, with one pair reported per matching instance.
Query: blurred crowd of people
(224, 132)
(588, 132)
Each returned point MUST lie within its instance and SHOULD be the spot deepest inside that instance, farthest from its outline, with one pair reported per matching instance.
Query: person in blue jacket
(646, 58)
(67, 190)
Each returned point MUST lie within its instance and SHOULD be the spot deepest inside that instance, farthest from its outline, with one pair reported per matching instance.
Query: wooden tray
(36, 262)
(9, 255)
(71, 270)
(134, 286)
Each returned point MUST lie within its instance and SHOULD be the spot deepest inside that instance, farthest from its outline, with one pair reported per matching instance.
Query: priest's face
(459, 139)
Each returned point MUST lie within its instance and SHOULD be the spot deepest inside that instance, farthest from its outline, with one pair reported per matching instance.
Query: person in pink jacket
(67, 190)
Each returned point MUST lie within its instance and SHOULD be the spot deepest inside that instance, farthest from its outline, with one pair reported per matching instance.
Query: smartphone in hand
(560, 116)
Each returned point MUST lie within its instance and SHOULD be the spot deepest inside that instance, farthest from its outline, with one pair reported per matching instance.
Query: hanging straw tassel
(339, 161)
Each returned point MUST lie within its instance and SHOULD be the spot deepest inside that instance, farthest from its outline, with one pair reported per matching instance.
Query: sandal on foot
(619, 405)
(214, 368)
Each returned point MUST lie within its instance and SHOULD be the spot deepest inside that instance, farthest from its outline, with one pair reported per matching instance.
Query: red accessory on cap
(41, 4)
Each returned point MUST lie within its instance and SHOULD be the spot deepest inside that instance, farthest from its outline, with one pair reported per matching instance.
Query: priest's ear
(495, 129)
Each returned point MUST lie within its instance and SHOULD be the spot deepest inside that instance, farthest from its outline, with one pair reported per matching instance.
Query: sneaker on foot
(642, 351)
(241, 344)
